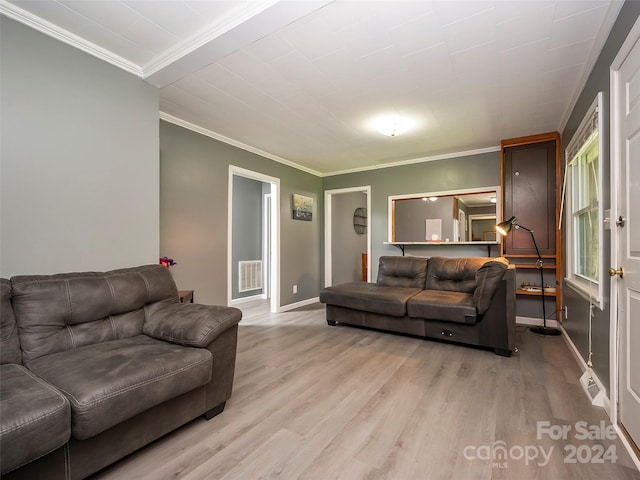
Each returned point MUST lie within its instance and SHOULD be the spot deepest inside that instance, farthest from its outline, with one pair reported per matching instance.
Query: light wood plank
(317, 402)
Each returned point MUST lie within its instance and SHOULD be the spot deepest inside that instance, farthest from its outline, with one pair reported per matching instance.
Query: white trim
(613, 11)
(536, 322)
(267, 200)
(167, 58)
(603, 398)
(615, 134)
(205, 36)
(216, 136)
(614, 175)
(33, 21)
(414, 161)
(275, 232)
(252, 298)
(328, 195)
(627, 445)
(167, 117)
(582, 289)
(301, 303)
(591, 291)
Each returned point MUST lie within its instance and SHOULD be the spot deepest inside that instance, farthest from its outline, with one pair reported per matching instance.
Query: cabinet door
(530, 196)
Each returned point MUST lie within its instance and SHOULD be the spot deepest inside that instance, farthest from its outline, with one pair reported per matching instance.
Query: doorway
(266, 270)
(625, 241)
(349, 233)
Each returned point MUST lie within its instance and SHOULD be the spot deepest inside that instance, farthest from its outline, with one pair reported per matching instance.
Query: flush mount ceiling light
(392, 125)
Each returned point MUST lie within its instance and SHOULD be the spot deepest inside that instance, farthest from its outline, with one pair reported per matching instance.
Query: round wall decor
(360, 220)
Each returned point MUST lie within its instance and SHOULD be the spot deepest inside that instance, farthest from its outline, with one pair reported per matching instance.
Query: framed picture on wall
(302, 207)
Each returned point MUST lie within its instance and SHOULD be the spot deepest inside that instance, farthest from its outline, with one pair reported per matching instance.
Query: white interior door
(627, 136)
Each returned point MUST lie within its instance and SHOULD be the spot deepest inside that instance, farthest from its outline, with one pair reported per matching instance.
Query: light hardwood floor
(317, 402)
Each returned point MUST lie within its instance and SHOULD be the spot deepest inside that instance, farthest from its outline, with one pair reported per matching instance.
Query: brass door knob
(613, 272)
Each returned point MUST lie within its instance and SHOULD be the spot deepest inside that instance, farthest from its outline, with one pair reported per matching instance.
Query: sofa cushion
(443, 305)
(34, 417)
(453, 274)
(9, 342)
(61, 312)
(369, 297)
(110, 382)
(488, 278)
(405, 272)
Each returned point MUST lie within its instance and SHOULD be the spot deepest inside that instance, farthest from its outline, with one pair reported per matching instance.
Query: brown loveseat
(467, 300)
(96, 365)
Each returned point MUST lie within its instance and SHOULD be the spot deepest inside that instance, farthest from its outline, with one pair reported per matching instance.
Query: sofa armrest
(189, 324)
(488, 278)
(498, 324)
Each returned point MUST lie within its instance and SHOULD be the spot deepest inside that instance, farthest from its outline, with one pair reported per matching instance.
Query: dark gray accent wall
(577, 322)
(480, 170)
(79, 159)
(347, 245)
(246, 229)
(194, 176)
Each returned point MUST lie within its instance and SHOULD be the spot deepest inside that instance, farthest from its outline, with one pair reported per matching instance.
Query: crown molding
(18, 14)
(235, 143)
(208, 133)
(172, 55)
(205, 36)
(445, 156)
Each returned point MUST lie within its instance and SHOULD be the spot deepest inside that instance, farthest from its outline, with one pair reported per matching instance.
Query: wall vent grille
(250, 275)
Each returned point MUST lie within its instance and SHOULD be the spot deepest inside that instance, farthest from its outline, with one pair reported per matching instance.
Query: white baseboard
(252, 298)
(597, 396)
(627, 445)
(302, 303)
(535, 322)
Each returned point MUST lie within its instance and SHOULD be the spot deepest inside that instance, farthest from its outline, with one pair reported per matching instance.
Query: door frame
(615, 159)
(274, 254)
(267, 209)
(479, 216)
(328, 196)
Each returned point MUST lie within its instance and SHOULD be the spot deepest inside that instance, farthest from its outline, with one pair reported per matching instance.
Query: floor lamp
(503, 229)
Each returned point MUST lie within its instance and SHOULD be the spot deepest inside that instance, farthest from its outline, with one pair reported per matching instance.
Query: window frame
(587, 288)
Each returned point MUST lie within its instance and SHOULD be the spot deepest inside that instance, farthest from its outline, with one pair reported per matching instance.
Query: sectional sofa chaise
(467, 300)
(95, 365)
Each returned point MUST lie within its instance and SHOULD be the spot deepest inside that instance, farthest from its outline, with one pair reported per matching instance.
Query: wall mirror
(453, 216)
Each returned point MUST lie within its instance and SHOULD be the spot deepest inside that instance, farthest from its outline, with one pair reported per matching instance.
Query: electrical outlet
(295, 289)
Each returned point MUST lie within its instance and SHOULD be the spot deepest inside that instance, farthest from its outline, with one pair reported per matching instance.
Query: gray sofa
(95, 365)
(467, 300)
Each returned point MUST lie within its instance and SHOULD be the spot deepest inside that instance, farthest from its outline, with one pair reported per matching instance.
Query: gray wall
(577, 322)
(194, 176)
(411, 216)
(481, 170)
(79, 160)
(347, 245)
(246, 227)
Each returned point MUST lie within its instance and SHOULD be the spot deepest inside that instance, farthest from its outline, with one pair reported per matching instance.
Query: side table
(186, 296)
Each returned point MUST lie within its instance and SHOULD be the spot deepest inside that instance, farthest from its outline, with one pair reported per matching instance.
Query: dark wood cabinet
(529, 195)
(531, 186)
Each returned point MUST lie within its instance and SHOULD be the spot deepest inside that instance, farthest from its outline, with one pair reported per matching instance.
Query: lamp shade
(503, 228)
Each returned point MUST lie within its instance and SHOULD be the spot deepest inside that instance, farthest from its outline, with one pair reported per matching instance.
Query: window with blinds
(584, 206)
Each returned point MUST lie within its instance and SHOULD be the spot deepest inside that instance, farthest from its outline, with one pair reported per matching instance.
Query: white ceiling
(299, 80)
